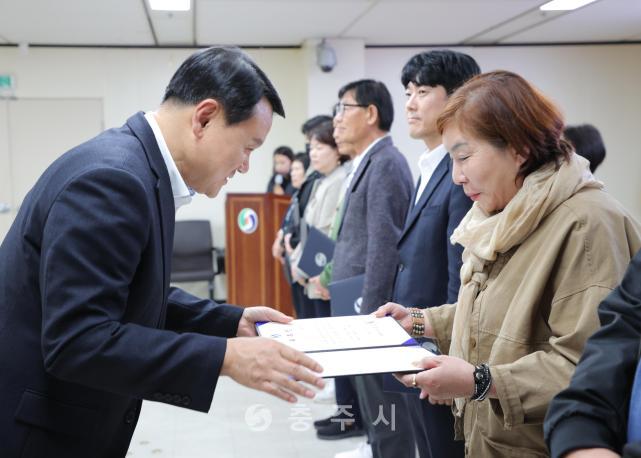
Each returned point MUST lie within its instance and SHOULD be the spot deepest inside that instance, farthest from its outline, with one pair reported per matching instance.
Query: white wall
(596, 84)
(600, 85)
(129, 80)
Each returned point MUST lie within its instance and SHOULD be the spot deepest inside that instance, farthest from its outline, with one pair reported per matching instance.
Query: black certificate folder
(350, 345)
(317, 252)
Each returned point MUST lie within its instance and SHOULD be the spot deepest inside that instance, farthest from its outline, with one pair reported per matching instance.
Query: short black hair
(285, 151)
(587, 142)
(303, 158)
(370, 92)
(227, 75)
(312, 122)
(443, 67)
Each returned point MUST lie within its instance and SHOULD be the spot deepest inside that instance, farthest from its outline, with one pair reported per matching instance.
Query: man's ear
(372, 115)
(204, 113)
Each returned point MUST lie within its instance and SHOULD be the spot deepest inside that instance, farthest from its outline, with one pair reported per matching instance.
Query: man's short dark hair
(587, 142)
(227, 75)
(371, 92)
(312, 122)
(446, 68)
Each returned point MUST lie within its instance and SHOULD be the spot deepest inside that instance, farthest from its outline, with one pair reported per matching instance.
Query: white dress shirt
(427, 163)
(358, 159)
(180, 190)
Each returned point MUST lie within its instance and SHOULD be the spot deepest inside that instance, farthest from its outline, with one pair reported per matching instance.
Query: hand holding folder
(350, 345)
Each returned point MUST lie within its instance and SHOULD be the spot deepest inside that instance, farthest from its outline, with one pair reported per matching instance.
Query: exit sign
(7, 85)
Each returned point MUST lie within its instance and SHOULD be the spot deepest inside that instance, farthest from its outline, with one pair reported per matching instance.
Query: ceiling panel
(85, 22)
(269, 22)
(434, 21)
(173, 27)
(604, 20)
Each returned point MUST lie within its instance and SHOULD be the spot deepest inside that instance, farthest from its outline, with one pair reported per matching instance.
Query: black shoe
(326, 421)
(340, 430)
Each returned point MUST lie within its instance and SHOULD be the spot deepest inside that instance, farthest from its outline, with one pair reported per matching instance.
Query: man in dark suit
(88, 323)
(428, 271)
(375, 204)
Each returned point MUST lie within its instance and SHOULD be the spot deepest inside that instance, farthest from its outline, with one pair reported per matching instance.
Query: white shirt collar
(358, 159)
(427, 163)
(180, 190)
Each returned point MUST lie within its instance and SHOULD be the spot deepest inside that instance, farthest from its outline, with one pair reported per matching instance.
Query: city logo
(320, 259)
(247, 221)
(358, 303)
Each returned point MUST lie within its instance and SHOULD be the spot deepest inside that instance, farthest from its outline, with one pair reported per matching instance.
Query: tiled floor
(242, 423)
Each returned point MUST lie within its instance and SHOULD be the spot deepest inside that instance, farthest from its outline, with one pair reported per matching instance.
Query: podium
(254, 277)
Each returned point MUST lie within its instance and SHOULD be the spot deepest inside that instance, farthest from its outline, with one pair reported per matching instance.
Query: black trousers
(303, 305)
(433, 427)
(385, 417)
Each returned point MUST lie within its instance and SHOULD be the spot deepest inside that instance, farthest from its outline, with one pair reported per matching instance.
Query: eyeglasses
(339, 108)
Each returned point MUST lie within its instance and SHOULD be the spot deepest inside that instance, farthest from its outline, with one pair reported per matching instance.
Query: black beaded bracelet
(482, 382)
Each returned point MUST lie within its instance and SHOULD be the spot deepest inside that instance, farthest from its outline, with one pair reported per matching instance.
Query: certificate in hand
(350, 345)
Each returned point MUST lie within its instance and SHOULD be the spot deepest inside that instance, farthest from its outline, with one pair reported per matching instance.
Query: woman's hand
(277, 247)
(592, 453)
(398, 312)
(324, 292)
(288, 245)
(447, 378)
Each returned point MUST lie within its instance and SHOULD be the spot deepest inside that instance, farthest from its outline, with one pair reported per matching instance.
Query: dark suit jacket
(375, 209)
(88, 323)
(428, 271)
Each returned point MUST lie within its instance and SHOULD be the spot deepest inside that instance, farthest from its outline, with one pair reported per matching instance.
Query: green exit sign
(7, 85)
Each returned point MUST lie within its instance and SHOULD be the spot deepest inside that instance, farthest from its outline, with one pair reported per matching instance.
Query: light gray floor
(242, 423)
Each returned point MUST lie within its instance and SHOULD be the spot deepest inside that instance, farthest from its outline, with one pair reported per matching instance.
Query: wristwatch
(482, 382)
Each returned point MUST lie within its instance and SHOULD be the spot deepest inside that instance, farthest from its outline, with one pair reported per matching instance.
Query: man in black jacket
(590, 417)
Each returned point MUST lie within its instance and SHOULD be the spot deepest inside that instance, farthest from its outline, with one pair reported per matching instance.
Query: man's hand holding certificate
(350, 345)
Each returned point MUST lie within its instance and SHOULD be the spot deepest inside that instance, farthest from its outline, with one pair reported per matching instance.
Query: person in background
(436, 209)
(280, 182)
(310, 125)
(300, 163)
(378, 194)
(599, 414)
(587, 142)
(543, 245)
(322, 206)
(291, 222)
(347, 421)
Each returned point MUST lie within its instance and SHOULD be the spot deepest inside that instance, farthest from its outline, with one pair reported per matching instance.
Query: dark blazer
(376, 204)
(88, 323)
(593, 411)
(428, 271)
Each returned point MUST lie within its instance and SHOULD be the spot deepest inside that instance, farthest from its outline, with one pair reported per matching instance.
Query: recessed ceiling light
(560, 5)
(170, 5)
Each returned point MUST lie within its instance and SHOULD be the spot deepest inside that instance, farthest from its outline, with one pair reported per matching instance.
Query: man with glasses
(378, 195)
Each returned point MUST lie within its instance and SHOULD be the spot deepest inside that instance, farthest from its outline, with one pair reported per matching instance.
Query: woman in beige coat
(543, 245)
